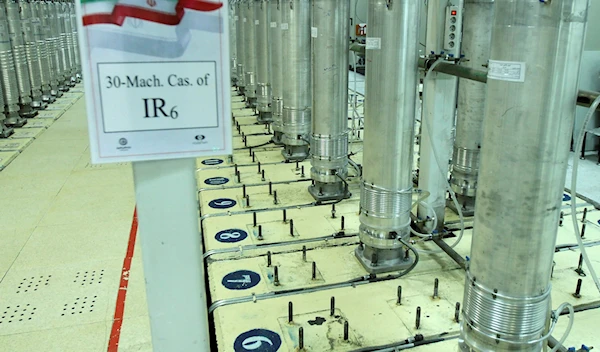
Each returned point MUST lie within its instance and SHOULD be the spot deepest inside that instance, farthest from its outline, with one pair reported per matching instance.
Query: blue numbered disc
(212, 161)
(231, 235)
(222, 203)
(216, 181)
(566, 197)
(241, 280)
(257, 340)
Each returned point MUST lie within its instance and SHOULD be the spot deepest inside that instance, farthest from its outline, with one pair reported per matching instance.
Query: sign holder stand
(167, 210)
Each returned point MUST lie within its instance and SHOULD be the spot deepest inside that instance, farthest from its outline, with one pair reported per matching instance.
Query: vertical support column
(233, 41)
(522, 174)
(263, 62)
(391, 88)
(297, 86)
(167, 210)
(276, 71)
(329, 139)
(477, 35)
(240, 46)
(250, 52)
(439, 107)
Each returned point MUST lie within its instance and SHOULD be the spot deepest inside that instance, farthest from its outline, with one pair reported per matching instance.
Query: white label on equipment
(284, 26)
(160, 96)
(236, 17)
(273, 24)
(256, 22)
(373, 43)
(507, 71)
(314, 32)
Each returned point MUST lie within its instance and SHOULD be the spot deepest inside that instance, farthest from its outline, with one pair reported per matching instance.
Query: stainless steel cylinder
(75, 39)
(232, 42)
(20, 56)
(45, 15)
(391, 88)
(68, 38)
(240, 46)
(63, 45)
(329, 139)
(477, 34)
(32, 55)
(297, 92)
(530, 104)
(58, 50)
(10, 88)
(276, 71)
(42, 51)
(249, 11)
(263, 62)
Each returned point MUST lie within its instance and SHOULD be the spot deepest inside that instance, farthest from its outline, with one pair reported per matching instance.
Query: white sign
(156, 78)
(373, 43)
(511, 71)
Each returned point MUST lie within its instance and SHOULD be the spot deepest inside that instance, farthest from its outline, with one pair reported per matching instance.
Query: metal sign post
(156, 75)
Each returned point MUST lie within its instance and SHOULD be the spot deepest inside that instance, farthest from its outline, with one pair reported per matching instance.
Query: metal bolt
(253, 156)
(561, 219)
(346, 330)
(333, 211)
(290, 312)
(292, 227)
(269, 258)
(457, 312)
(297, 165)
(284, 215)
(418, 319)
(332, 307)
(274, 197)
(583, 230)
(399, 294)
(246, 144)
(235, 169)
(314, 270)
(374, 259)
(343, 223)
(584, 214)
(259, 168)
(436, 284)
(248, 201)
(300, 338)
(302, 175)
(303, 253)
(276, 276)
(579, 269)
(263, 175)
(254, 218)
(260, 237)
(250, 151)
(577, 293)
(270, 188)
(243, 191)
(238, 177)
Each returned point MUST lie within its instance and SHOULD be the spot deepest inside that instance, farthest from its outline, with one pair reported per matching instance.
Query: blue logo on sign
(257, 340)
(231, 235)
(216, 181)
(212, 161)
(241, 280)
(566, 197)
(222, 203)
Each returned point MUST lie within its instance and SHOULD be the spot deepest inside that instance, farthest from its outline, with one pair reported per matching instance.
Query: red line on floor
(115, 333)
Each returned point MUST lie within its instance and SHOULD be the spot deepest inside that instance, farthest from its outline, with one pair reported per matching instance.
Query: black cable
(257, 146)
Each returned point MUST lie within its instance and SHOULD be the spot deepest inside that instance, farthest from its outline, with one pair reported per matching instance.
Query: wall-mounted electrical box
(453, 30)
